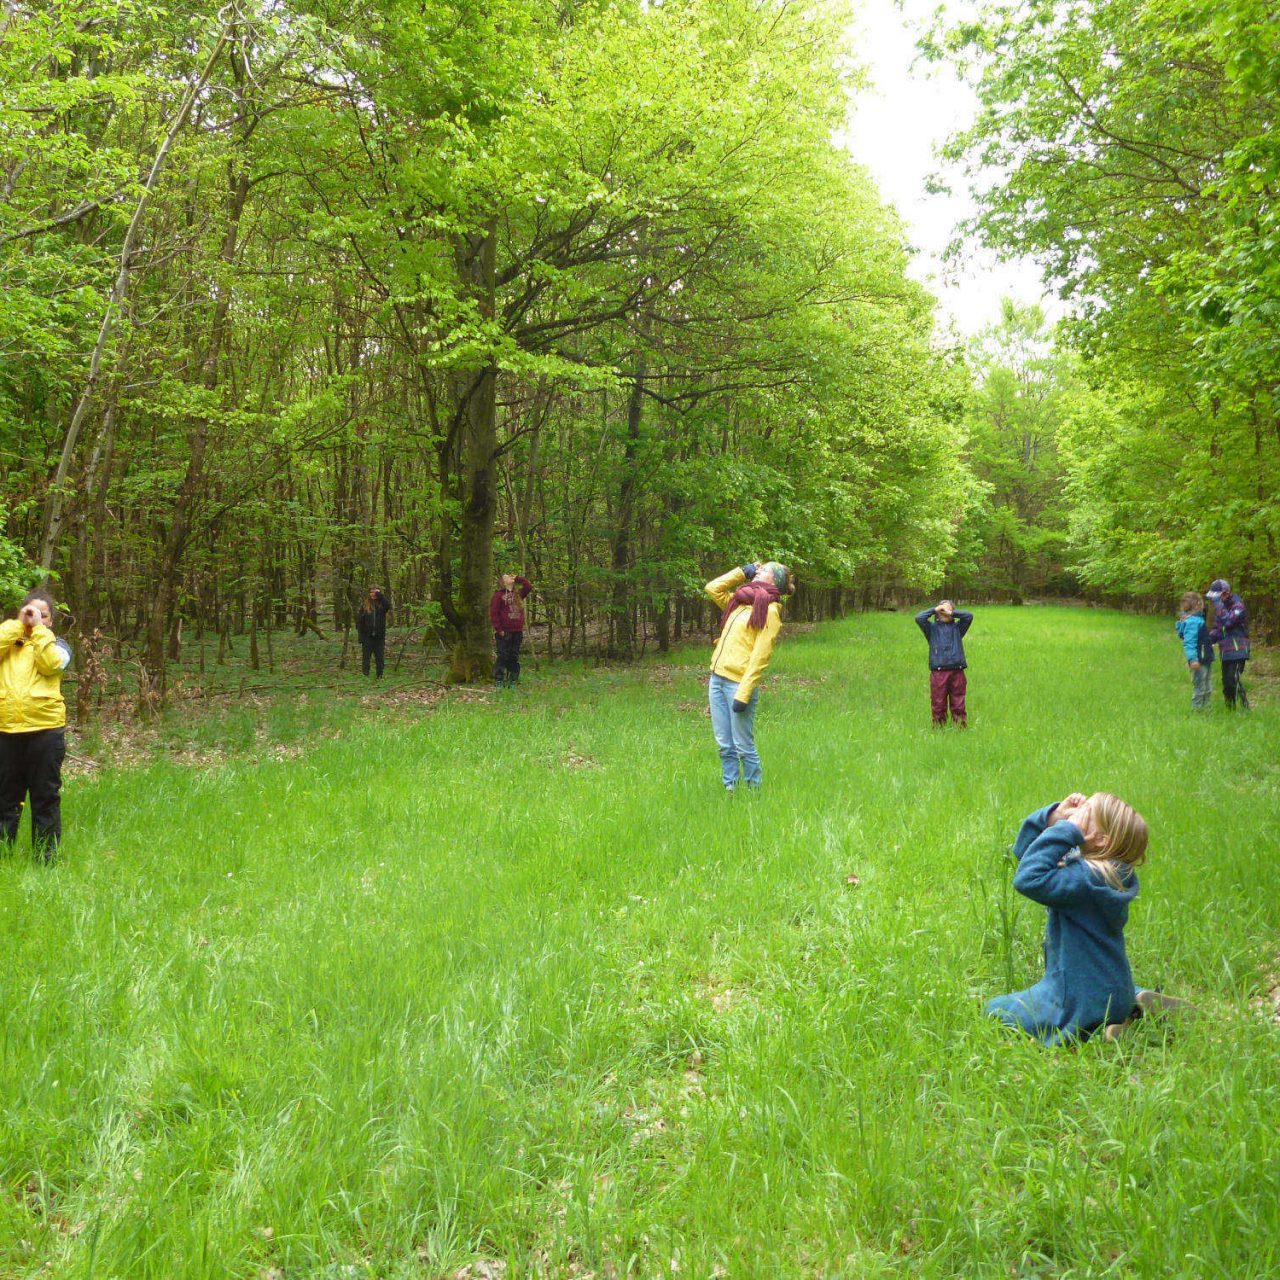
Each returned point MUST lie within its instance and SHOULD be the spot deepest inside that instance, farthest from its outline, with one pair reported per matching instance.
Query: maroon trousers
(944, 687)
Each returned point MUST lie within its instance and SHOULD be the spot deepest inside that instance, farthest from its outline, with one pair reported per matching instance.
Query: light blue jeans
(735, 733)
(1202, 687)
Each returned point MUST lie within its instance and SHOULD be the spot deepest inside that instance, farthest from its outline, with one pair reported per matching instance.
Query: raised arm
(922, 621)
(51, 657)
(1233, 616)
(525, 586)
(1047, 876)
(9, 632)
(721, 589)
(964, 620)
(1033, 826)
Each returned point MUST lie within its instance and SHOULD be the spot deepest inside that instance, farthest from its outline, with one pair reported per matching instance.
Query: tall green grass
(515, 982)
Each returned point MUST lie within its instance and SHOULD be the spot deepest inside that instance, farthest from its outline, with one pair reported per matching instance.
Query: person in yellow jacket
(751, 600)
(33, 721)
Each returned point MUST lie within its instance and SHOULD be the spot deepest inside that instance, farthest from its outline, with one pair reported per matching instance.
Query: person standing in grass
(371, 629)
(751, 602)
(1077, 858)
(1193, 629)
(1230, 632)
(944, 627)
(33, 717)
(506, 612)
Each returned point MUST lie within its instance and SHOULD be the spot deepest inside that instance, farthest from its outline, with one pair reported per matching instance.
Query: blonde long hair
(1127, 834)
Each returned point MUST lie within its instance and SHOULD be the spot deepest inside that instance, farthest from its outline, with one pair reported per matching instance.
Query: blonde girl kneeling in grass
(1077, 858)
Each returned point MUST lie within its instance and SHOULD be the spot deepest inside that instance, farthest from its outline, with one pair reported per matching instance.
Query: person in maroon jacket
(506, 612)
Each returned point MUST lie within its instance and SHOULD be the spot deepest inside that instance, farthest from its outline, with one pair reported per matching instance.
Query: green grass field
(508, 987)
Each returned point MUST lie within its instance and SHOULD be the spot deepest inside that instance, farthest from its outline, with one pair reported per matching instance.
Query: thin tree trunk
(56, 509)
(198, 441)
(624, 632)
(472, 656)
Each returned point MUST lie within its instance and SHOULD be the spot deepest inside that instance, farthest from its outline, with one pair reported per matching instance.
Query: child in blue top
(1193, 629)
(1076, 857)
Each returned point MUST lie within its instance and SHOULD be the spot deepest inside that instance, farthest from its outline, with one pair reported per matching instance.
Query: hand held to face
(1069, 807)
(30, 617)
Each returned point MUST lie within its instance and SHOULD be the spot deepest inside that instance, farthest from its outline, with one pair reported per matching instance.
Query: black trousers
(31, 763)
(376, 649)
(1233, 684)
(507, 669)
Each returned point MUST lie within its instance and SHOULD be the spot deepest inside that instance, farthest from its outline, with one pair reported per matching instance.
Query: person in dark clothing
(506, 612)
(944, 628)
(1230, 632)
(371, 628)
(33, 719)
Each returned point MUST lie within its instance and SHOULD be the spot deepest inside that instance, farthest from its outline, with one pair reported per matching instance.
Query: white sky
(895, 125)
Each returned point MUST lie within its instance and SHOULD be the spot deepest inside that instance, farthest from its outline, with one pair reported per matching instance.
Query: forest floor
(393, 983)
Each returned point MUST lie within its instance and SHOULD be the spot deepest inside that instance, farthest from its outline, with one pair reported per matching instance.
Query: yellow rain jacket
(742, 653)
(31, 679)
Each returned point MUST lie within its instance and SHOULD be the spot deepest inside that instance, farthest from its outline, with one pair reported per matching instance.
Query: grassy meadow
(506, 985)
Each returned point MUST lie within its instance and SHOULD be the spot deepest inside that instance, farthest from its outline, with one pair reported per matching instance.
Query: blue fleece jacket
(946, 639)
(1087, 981)
(1194, 631)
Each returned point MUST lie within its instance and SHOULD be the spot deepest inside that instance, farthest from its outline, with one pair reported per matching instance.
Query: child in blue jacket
(944, 627)
(1193, 629)
(1076, 857)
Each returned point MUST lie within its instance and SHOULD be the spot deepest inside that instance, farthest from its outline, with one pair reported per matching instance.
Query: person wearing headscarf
(33, 718)
(1230, 632)
(750, 599)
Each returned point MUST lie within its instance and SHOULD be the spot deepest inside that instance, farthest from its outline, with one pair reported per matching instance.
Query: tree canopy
(300, 294)
(1129, 147)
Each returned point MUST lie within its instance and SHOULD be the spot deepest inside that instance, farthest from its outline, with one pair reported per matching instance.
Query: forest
(300, 296)
(441, 976)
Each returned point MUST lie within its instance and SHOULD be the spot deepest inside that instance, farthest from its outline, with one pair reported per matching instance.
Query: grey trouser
(1201, 686)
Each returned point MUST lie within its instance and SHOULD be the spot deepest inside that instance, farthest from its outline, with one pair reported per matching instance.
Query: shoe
(1114, 1030)
(1152, 1001)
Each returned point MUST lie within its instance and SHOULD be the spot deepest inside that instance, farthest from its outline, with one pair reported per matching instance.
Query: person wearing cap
(33, 718)
(1230, 632)
(750, 600)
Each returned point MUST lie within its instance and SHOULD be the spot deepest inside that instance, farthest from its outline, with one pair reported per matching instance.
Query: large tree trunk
(477, 410)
